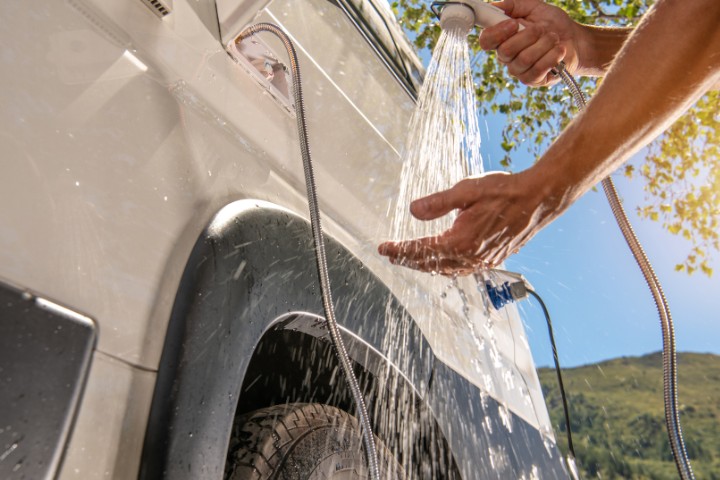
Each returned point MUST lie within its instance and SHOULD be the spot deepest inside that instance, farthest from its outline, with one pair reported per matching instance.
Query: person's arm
(598, 48)
(550, 36)
(671, 59)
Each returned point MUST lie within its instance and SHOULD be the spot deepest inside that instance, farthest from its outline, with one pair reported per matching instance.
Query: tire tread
(263, 440)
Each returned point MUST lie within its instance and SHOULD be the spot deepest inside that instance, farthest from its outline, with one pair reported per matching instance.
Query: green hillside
(618, 422)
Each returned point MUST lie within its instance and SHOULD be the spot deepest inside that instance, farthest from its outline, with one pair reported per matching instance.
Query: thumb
(440, 203)
(505, 5)
(518, 8)
(464, 193)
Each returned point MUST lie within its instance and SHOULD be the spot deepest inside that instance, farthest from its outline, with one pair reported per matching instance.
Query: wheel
(302, 442)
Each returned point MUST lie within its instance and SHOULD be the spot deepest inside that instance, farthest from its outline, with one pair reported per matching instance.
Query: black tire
(302, 442)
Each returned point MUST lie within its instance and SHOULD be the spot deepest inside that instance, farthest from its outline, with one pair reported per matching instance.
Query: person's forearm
(599, 48)
(671, 59)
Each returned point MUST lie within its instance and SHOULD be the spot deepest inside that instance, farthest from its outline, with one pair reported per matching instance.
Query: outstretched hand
(497, 214)
(549, 37)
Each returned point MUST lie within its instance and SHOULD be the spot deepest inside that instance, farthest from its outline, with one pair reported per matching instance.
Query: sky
(599, 302)
(600, 305)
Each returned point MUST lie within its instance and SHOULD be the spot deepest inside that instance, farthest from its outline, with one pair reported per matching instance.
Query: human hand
(549, 37)
(497, 214)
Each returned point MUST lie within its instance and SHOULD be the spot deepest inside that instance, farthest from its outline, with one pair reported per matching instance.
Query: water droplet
(505, 417)
(487, 423)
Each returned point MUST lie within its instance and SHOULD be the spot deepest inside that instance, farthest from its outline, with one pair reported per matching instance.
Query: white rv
(158, 290)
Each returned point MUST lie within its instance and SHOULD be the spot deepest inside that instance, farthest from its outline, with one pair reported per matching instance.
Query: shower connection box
(255, 57)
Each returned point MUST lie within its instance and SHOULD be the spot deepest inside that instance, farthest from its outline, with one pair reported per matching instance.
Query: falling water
(443, 147)
(443, 143)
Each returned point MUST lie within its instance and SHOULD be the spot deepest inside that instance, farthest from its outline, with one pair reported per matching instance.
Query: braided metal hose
(319, 242)
(672, 417)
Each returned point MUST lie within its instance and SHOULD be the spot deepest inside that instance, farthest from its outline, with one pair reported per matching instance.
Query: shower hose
(672, 417)
(319, 243)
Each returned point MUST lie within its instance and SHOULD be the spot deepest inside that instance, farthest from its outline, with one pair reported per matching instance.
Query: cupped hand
(497, 214)
(549, 37)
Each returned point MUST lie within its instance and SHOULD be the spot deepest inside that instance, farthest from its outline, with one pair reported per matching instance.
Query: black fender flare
(252, 265)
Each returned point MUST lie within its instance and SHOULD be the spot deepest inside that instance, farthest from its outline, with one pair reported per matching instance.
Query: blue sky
(580, 265)
(599, 302)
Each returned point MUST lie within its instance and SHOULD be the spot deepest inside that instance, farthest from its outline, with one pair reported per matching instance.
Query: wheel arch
(250, 281)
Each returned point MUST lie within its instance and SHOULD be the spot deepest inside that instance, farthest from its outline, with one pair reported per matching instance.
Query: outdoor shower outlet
(263, 65)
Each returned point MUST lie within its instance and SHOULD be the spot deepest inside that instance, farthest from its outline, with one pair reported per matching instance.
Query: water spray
(463, 15)
(319, 244)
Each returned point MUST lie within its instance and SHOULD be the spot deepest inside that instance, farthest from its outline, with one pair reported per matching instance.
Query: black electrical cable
(558, 371)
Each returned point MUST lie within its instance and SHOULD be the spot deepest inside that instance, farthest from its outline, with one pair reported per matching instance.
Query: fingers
(423, 250)
(462, 195)
(531, 54)
(490, 224)
(442, 266)
(492, 37)
(442, 203)
(426, 256)
(523, 50)
(518, 8)
(458, 248)
(505, 5)
(539, 75)
(402, 249)
(526, 47)
(536, 73)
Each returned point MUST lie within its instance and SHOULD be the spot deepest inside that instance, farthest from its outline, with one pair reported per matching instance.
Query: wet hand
(497, 214)
(549, 37)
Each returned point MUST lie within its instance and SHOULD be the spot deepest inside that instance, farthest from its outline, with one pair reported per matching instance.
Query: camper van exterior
(157, 278)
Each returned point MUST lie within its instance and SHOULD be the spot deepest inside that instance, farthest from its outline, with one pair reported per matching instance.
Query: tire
(302, 442)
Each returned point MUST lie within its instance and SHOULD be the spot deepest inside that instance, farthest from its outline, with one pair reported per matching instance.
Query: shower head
(464, 14)
(457, 16)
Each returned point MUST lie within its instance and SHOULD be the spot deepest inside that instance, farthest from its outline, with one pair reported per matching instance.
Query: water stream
(443, 143)
(442, 147)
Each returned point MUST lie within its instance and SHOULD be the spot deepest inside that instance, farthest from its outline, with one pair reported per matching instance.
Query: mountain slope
(618, 421)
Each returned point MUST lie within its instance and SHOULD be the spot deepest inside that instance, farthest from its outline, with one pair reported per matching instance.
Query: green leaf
(681, 169)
